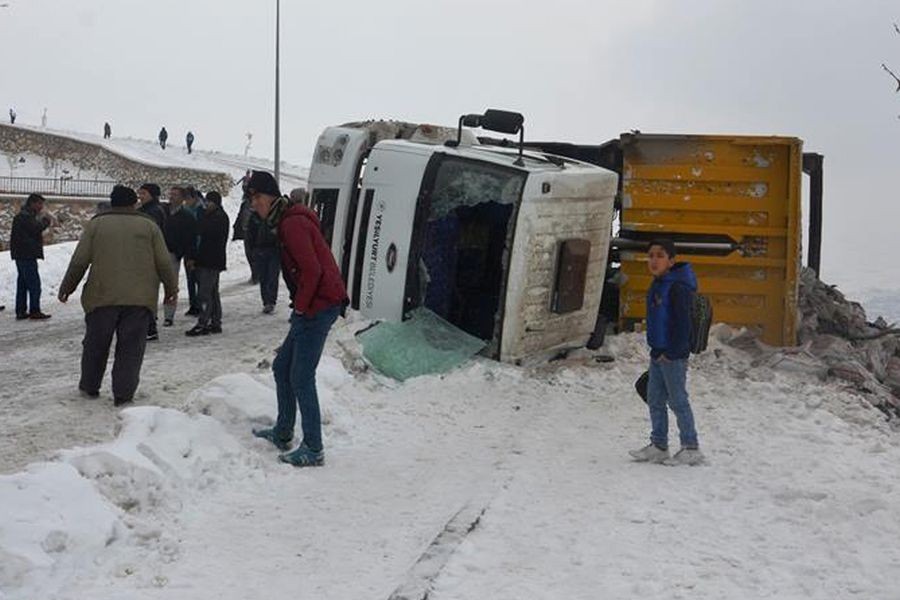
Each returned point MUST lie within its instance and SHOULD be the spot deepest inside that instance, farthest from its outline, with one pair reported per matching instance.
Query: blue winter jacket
(669, 312)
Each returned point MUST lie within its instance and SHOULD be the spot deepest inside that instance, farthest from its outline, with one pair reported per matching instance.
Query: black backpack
(701, 320)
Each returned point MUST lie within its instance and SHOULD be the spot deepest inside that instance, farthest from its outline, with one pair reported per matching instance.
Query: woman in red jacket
(318, 294)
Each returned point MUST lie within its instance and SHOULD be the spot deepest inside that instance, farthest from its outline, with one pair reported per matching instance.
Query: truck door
(334, 187)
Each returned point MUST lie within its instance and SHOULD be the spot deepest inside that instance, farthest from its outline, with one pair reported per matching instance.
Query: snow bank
(102, 505)
(53, 522)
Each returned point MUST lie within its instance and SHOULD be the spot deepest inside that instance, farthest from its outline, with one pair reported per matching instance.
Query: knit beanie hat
(214, 197)
(122, 196)
(152, 189)
(263, 183)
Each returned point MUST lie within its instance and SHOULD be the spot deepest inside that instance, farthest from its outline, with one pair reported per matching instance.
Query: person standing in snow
(163, 136)
(241, 226)
(192, 204)
(12, 116)
(181, 240)
(26, 247)
(266, 259)
(669, 302)
(148, 196)
(127, 257)
(44, 119)
(189, 139)
(107, 131)
(318, 293)
(208, 264)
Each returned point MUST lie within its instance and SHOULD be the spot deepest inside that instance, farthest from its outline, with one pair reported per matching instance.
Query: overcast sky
(580, 70)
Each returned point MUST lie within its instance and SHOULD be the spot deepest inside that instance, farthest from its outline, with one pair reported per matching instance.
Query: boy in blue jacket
(669, 303)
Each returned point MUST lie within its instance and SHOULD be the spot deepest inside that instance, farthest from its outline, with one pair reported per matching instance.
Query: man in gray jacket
(127, 256)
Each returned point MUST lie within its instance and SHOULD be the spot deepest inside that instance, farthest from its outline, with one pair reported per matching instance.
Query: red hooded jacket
(307, 262)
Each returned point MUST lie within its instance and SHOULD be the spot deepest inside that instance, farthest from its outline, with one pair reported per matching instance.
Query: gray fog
(579, 70)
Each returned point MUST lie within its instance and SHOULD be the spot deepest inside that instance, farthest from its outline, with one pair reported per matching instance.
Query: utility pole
(277, 91)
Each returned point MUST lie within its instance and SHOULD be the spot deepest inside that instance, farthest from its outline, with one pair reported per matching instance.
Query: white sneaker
(649, 453)
(687, 456)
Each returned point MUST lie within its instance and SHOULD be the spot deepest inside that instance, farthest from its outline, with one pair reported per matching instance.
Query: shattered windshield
(468, 183)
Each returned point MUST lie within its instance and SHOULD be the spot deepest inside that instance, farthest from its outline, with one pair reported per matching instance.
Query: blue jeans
(295, 376)
(28, 285)
(667, 385)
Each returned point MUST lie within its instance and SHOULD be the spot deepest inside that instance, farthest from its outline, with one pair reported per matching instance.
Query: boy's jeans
(668, 386)
(295, 376)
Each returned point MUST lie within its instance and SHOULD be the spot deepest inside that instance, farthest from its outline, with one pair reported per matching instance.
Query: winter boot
(650, 453)
(303, 456)
(269, 434)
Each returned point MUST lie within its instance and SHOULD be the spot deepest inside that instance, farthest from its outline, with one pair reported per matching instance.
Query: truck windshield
(464, 256)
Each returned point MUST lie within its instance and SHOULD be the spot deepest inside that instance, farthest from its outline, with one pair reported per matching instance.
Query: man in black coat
(181, 240)
(163, 136)
(26, 246)
(209, 262)
(148, 194)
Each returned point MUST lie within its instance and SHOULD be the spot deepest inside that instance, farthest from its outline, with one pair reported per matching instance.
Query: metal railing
(48, 186)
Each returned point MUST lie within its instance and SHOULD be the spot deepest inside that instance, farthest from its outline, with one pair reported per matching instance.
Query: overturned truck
(513, 243)
(508, 245)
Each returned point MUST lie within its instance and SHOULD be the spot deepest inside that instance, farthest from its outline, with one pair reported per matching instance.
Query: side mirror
(502, 121)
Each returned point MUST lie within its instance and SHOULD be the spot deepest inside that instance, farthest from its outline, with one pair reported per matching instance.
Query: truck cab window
(324, 202)
(464, 258)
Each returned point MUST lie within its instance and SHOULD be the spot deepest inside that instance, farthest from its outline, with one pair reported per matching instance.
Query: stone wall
(17, 140)
(69, 216)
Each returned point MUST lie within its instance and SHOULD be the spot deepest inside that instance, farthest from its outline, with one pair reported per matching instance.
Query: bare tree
(886, 68)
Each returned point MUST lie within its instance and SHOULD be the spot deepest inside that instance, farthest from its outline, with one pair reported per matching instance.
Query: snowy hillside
(150, 153)
(494, 481)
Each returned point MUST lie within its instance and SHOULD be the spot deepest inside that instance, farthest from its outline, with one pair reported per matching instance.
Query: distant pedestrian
(127, 257)
(181, 240)
(163, 136)
(208, 264)
(669, 304)
(12, 116)
(190, 141)
(44, 119)
(249, 143)
(26, 247)
(107, 131)
(318, 293)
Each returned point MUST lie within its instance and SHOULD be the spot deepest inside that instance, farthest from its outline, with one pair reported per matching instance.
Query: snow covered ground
(173, 498)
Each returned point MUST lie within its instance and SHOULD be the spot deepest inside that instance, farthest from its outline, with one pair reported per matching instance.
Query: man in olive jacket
(127, 256)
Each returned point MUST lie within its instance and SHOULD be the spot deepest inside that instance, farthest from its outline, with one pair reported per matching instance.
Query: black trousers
(208, 295)
(193, 300)
(129, 325)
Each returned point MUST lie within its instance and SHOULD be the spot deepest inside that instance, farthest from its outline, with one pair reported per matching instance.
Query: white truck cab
(509, 246)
